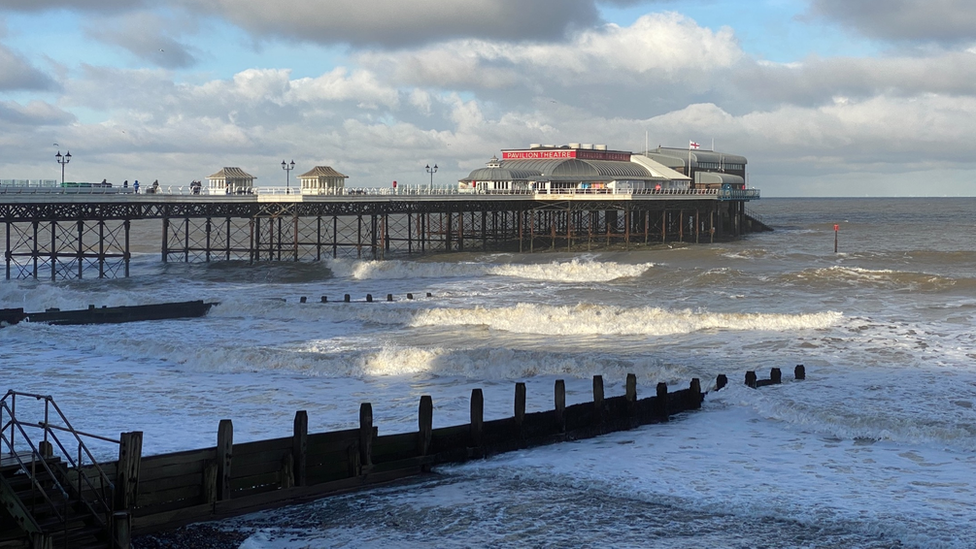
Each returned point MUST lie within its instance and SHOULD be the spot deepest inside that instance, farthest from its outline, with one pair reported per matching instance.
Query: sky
(824, 97)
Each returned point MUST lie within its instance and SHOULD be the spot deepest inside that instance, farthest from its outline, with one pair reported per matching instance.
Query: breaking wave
(557, 271)
(585, 319)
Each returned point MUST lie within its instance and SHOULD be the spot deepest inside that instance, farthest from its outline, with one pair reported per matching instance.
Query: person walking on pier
(135, 186)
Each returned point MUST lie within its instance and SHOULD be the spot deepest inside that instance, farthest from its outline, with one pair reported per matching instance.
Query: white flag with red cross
(693, 145)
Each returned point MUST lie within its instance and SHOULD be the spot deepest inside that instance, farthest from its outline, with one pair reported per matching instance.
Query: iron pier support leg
(165, 247)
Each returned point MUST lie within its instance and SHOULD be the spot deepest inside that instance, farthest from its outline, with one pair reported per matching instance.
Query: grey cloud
(395, 23)
(35, 113)
(938, 21)
(78, 5)
(144, 36)
(17, 74)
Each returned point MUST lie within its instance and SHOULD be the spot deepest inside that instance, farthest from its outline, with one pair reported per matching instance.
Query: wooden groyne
(109, 315)
(162, 492)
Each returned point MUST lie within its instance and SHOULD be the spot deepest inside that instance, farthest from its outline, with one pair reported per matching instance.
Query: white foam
(575, 270)
(587, 319)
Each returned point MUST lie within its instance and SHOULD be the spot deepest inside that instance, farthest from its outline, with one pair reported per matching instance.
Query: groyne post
(299, 447)
(559, 398)
(477, 418)
(598, 399)
(127, 471)
(426, 425)
(365, 437)
(631, 394)
(662, 401)
(225, 445)
(799, 372)
(721, 381)
(519, 409)
(751, 380)
(775, 376)
(696, 394)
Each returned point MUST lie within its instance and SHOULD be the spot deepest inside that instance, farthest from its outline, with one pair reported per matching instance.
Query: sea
(875, 449)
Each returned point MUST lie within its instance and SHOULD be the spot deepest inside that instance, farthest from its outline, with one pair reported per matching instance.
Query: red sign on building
(551, 154)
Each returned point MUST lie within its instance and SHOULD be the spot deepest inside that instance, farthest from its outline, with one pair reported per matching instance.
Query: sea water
(877, 448)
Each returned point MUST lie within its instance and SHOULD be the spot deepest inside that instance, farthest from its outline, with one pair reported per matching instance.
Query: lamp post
(431, 171)
(63, 159)
(288, 168)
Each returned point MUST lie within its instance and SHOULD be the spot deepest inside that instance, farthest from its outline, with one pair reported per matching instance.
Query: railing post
(299, 446)
(225, 446)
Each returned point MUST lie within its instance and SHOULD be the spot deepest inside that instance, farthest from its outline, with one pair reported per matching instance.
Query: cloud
(78, 5)
(146, 36)
(16, 73)
(395, 23)
(937, 21)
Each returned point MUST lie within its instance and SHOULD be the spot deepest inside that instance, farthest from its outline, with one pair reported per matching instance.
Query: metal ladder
(50, 483)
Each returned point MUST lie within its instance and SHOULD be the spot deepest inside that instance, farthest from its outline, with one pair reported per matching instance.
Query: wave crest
(585, 319)
(575, 270)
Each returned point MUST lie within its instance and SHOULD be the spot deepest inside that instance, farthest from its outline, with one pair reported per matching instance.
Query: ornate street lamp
(63, 159)
(431, 171)
(288, 168)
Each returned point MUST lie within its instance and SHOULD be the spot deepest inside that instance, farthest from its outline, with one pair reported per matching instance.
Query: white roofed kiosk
(323, 180)
(230, 181)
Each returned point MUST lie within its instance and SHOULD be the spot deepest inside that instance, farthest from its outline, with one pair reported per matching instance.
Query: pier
(85, 232)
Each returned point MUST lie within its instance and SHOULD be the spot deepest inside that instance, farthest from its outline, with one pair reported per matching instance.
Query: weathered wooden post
(369, 298)
(409, 296)
(775, 376)
(225, 446)
(751, 379)
(325, 299)
(662, 401)
(365, 437)
(303, 299)
(45, 448)
(126, 487)
(799, 372)
(721, 381)
(519, 409)
(286, 476)
(560, 405)
(425, 419)
(127, 471)
(695, 394)
(122, 528)
(631, 394)
(477, 418)
(389, 297)
(346, 298)
(598, 398)
(299, 447)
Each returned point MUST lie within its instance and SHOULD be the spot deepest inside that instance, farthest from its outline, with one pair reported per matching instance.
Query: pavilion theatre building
(586, 168)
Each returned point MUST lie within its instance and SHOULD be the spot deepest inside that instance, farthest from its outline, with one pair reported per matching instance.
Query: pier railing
(350, 192)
